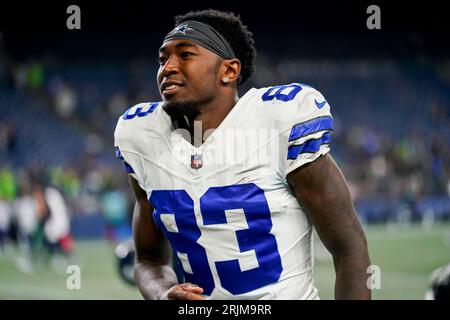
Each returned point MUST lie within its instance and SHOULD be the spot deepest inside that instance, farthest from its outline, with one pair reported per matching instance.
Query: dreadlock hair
(233, 30)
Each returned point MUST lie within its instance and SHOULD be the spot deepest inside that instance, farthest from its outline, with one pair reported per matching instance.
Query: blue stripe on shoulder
(118, 154)
(311, 126)
(128, 168)
(310, 146)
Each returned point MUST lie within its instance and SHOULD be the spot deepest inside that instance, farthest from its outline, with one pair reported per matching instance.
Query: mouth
(169, 88)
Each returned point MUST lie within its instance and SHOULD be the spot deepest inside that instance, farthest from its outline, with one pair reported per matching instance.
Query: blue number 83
(282, 93)
(185, 233)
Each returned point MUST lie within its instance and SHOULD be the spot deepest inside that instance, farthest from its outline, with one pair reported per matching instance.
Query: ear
(231, 69)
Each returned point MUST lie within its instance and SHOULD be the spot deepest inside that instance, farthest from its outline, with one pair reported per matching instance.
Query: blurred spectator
(115, 209)
(8, 185)
(65, 101)
(27, 218)
(8, 137)
(35, 76)
(57, 225)
(5, 222)
(52, 237)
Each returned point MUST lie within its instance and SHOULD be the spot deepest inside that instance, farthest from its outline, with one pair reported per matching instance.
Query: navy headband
(203, 35)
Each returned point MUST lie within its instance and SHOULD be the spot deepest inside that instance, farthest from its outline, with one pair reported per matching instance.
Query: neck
(212, 115)
(209, 117)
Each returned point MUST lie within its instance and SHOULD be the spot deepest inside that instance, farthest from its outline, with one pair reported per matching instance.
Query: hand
(185, 291)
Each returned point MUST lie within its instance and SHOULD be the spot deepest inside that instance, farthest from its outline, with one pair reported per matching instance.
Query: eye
(162, 61)
(186, 54)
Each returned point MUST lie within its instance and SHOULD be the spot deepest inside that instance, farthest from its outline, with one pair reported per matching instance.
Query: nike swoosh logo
(320, 104)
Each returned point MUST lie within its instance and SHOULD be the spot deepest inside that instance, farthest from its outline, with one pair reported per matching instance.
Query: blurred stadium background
(61, 93)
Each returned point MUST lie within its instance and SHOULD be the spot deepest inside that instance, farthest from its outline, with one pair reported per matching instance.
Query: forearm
(322, 190)
(351, 276)
(154, 279)
(348, 246)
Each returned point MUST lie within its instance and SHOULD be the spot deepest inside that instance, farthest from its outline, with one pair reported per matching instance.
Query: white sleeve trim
(305, 158)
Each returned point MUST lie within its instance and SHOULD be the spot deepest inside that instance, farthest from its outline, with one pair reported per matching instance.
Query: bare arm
(153, 272)
(321, 188)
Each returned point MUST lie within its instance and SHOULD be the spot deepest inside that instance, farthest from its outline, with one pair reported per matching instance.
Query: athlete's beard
(181, 109)
(182, 113)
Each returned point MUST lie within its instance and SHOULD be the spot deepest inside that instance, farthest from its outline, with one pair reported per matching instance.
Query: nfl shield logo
(196, 161)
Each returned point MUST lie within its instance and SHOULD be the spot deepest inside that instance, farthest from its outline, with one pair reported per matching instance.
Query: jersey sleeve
(309, 131)
(126, 166)
(124, 145)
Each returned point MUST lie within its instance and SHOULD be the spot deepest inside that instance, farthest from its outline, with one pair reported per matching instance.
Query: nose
(170, 67)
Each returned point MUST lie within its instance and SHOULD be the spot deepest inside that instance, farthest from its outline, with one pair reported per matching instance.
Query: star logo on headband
(183, 28)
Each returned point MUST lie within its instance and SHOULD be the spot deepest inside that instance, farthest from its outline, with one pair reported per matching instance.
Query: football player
(235, 184)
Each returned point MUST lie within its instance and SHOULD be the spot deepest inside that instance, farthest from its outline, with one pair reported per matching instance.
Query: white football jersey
(233, 222)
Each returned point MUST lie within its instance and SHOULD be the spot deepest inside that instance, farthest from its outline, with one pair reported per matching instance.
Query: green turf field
(406, 258)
